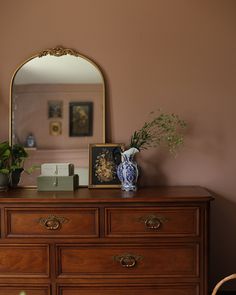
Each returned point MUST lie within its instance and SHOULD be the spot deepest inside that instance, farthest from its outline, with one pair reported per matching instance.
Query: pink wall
(178, 55)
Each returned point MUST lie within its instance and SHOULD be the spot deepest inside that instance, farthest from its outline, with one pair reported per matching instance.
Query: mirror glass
(57, 109)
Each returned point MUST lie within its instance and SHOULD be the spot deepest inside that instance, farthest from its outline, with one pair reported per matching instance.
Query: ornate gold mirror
(57, 108)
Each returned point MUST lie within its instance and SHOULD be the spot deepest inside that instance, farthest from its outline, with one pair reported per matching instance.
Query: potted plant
(18, 156)
(163, 129)
(11, 164)
(5, 164)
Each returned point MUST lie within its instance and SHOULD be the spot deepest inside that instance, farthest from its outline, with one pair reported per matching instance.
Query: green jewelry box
(57, 183)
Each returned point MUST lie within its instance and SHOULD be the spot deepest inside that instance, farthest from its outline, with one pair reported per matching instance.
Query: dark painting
(81, 118)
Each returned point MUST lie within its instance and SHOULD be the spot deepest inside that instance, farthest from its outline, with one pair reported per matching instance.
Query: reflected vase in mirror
(127, 170)
(30, 141)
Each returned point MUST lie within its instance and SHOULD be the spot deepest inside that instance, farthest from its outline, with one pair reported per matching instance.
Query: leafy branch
(162, 129)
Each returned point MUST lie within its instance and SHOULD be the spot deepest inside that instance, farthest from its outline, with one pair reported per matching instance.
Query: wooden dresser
(105, 242)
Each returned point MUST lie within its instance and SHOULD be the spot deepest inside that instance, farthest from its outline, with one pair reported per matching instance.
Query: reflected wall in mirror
(57, 108)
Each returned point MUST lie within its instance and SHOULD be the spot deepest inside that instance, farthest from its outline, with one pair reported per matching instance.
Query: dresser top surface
(147, 194)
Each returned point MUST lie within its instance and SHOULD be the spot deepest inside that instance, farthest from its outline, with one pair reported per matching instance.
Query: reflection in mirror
(57, 109)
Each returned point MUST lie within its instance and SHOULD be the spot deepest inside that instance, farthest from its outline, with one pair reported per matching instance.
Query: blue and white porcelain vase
(30, 141)
(127, 170)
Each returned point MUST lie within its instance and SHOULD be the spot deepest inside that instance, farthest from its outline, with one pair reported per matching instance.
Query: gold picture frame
(103, 162)
(55, 128)
(80, 118)
(55, 109)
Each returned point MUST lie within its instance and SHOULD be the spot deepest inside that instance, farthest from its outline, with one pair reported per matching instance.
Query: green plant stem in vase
(163, 129)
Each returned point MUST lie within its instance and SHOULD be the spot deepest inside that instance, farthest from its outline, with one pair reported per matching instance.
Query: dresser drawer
(24, 260)
(10, 289)
(154, 221)
(170, 289)
(172, 260)
(52, 222)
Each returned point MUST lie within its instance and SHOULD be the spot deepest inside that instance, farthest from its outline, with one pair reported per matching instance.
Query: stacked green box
(57, 183)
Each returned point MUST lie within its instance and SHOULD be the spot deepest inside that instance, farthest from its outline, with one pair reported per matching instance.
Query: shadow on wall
(222, 241)
(152, 162)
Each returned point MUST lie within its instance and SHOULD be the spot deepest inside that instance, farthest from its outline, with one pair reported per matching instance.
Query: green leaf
(4, 171)
(32, 169)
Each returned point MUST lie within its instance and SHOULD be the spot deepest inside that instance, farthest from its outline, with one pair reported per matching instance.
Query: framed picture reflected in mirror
(81, 118)
(55, 108)
(55, 128)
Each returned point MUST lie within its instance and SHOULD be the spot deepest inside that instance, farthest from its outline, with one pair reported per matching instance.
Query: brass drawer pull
(152, 222)
(52, 222)
(128, 260)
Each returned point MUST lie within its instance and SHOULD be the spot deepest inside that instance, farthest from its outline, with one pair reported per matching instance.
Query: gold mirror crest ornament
(59, 51)
(75, 86)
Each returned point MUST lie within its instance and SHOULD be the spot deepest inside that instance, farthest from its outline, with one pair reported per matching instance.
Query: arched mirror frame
(57, 52)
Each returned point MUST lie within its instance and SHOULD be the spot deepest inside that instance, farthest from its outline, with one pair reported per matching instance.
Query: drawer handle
(52, 222)
(128, 260)
(153, 222)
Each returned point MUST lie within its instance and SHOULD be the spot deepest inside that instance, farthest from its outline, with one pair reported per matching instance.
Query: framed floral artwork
(103, 162)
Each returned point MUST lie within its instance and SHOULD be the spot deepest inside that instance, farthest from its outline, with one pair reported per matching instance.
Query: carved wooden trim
(58, 51)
